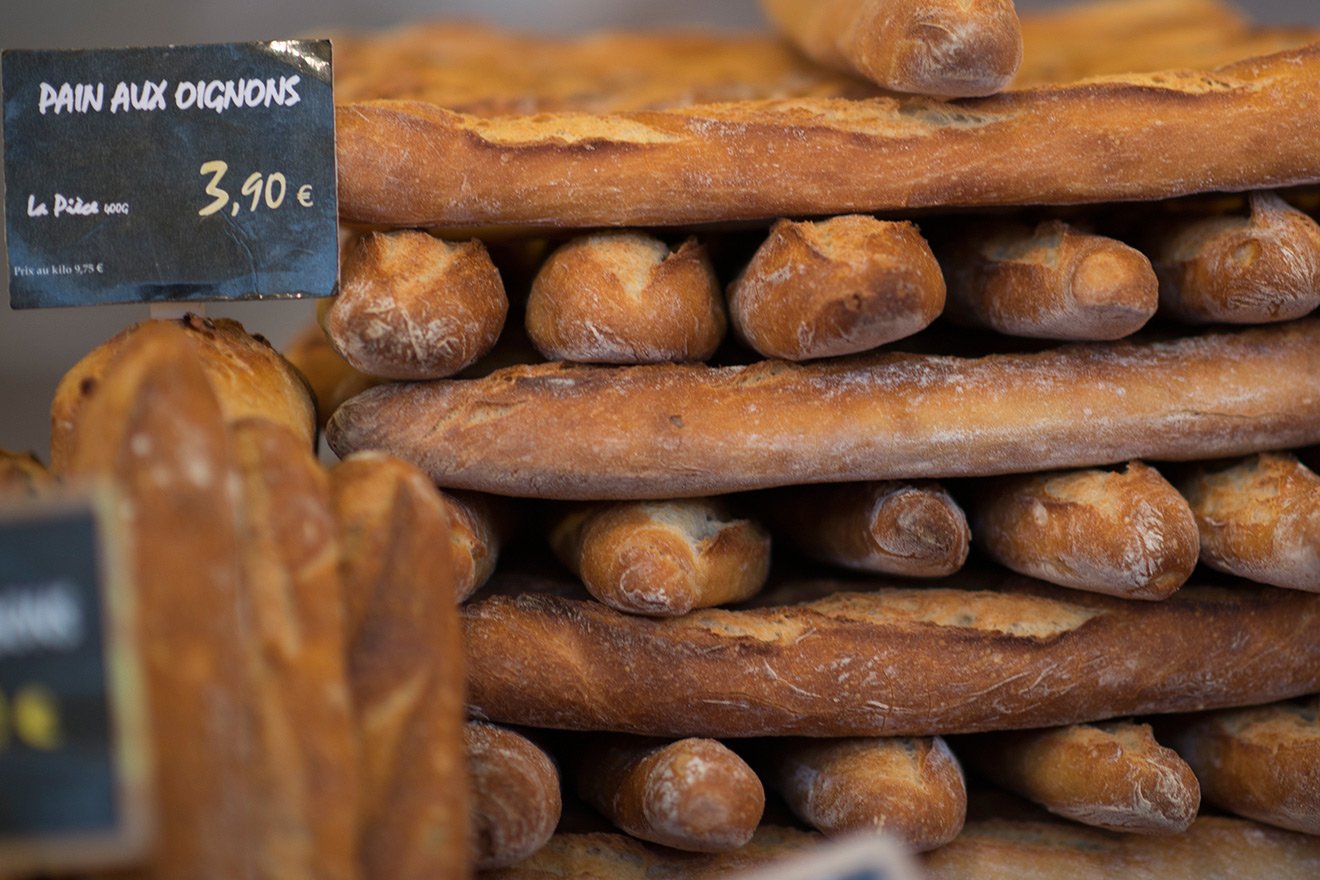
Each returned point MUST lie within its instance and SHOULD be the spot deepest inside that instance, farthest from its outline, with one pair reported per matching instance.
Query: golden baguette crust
(625, 298)
(1212, 849)
(909, 788)
(1126, 533)
(304, 754)
(693, 794)
(246, 373)
(1112, 775)
(412, 306)
(515, 795)
(1050, 282)
(1252, 269)
(331, 378)
(914, 529)
(668, 430)
(1260, 519)
(836, 287)
(22, 475)
(663, 558)
(1083, 142)
(1262, 763)
(156, 429)
(893, 662)
(619, 857)
(949, 48)
(405, 664)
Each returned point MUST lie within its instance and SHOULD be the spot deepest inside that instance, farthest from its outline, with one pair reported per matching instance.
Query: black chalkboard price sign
(73, 770)
(175, 174)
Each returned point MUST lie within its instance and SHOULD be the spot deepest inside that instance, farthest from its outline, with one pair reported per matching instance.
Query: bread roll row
(416, 307)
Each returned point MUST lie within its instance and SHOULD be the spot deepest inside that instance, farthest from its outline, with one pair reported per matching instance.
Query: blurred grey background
(36, 347)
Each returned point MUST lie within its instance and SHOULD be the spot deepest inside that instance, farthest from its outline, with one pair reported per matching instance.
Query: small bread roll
(1262, 763)
(515, 795)
(625, 298)
(906, 528)
(692, 794)
(412, 306)
(1260, 519)
(23, 476)
(909, 787)
(1050, 282)
(1126, 533)
(1112, 775)
(836, 287)
(1252, 269)
(663, 558)
(248, 376)
(947, 48)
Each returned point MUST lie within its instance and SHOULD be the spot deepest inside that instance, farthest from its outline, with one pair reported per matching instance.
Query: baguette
(414, 307)
(836, 287)
(23, 476)
(1262, 763)
(1260, 519)
(1050, 282)
(909, 788)
(663, 559)
(1112, 775)
(948, 48)
(1126, 533)
(1212, 849)
(892, 662)
(304, 753)
(669, 430)
(625, 298)
(155, 427)
(515, 795)
(692, 794)
(405, 661)
(330, 377)
(618, 857)
(1242, 270)
(915, 529)
(1082, 142)
(247, 375)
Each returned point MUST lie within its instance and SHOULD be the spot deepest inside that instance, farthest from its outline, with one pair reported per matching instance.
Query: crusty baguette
(412, 306)
(1252, 269)
(1262, 763)
(515, 795)
(915, 529)
(892, 662)
(1112, 775)
(836, 287)
(22, 475)
(247, 375)
(155, 428)
(599, 856)
(950, 48)
(663, 558)
(1084, 142)
(626, 298)
(1050, 282)
(331, 378)
(673, 430)
(405, 663)
(478, 527)
(1260, 519)
(1212, 849)
(690, 794)
(1127, 532)
(304, 753)
(910, 788)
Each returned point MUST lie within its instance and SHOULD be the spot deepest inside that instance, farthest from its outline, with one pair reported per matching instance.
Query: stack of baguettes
(1088, 294)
